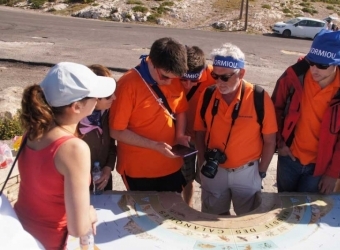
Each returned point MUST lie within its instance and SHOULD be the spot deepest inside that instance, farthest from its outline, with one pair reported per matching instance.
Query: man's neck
(228, 98)
(325, 82)
(151, 69)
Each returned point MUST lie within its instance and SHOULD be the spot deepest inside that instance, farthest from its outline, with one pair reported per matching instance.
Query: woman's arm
(73, 161)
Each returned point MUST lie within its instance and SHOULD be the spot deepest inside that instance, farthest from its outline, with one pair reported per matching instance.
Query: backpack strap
(192, 91)
(206, 100)
(259, 104)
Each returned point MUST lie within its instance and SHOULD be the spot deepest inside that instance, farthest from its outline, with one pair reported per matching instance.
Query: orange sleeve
(182, 102)
(122, 107)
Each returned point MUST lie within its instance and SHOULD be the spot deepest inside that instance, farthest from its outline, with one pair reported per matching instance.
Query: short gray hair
(228, 49)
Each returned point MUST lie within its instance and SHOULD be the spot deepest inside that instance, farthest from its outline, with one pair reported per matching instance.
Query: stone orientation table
(151, 220)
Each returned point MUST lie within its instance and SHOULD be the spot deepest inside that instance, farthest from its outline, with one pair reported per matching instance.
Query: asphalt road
(30, 36)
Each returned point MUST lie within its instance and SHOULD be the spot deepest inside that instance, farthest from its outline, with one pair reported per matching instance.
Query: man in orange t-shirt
(307, 100)
(194, 81)
(143, 121)
(233, 150)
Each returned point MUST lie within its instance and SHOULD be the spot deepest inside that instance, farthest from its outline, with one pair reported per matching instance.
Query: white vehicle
(300, 27)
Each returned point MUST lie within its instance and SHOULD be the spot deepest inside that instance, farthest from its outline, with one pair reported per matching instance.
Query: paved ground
(269, 183)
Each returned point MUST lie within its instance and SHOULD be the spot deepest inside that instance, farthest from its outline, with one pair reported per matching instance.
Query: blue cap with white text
(325, 48)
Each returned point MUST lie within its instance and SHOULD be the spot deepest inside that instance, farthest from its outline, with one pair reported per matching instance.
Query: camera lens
(209, 169)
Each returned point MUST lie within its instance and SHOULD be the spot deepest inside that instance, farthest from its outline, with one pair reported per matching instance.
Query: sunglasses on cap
(223, 78)
(318, 65)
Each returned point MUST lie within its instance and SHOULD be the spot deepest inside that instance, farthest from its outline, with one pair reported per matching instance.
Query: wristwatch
(263, 174)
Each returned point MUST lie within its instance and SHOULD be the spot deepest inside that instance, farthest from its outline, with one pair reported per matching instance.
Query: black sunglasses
(224, 78)
(318, 65)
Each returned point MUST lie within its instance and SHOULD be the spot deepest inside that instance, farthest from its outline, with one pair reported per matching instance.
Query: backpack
(258, 103)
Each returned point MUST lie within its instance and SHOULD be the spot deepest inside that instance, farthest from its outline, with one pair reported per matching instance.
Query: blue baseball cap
(325, 48)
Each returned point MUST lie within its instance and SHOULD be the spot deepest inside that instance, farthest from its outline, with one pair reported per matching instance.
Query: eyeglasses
(163, 77)
(318, 65)
(223, 78)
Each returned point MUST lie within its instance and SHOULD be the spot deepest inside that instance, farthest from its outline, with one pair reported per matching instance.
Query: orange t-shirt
(205, 81)
(136, 109)
(313, 106)
(245, 142)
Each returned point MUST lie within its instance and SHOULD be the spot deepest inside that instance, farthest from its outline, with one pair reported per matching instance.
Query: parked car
(299, 27)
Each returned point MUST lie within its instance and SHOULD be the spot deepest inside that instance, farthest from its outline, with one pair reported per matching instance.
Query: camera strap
(192, 91)
(234, 115)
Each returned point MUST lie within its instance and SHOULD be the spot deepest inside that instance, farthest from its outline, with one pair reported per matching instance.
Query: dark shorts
(169, 183)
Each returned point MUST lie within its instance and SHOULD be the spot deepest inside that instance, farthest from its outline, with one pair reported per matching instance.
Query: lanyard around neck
(234, 115)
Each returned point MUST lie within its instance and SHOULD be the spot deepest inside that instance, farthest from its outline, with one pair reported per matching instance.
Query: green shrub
(80, 1)
(9, 2)
(286, 10)
(161, 9)
(139, 8)
(37, 4)
(308, 10)
(113, 10)
(167, 4)
(329, 7)
(10, 128)
(153, 17)
(304, 4)
(266, 6)
(134, 2)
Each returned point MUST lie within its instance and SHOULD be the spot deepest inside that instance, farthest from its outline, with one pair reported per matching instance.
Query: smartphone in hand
(183, 151)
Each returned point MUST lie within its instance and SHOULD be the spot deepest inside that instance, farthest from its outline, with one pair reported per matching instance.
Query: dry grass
(222, 5)
(71, 9)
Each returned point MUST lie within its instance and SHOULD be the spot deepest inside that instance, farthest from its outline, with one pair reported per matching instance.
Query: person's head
(324, 55)
(169, 59)
(103, 103)
(68, 93)
(196, 65)
(228, 67)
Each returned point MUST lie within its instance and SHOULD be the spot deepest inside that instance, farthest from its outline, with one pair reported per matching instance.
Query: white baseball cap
(69, 82)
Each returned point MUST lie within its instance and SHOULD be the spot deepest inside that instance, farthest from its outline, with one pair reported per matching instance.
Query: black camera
(213, 157)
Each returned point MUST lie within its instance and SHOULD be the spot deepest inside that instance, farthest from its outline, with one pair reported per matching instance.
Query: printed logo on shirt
(245, 116)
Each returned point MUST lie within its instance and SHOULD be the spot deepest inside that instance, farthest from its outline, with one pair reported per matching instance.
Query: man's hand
(104, 178)
(183, 140)
(164, 149)
(327, 184)
(285, 151)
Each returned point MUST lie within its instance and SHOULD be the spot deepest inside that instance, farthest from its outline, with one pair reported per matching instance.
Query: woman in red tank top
(54, 164)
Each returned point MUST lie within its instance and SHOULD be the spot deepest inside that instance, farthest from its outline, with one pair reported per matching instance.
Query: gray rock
(10, 101)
